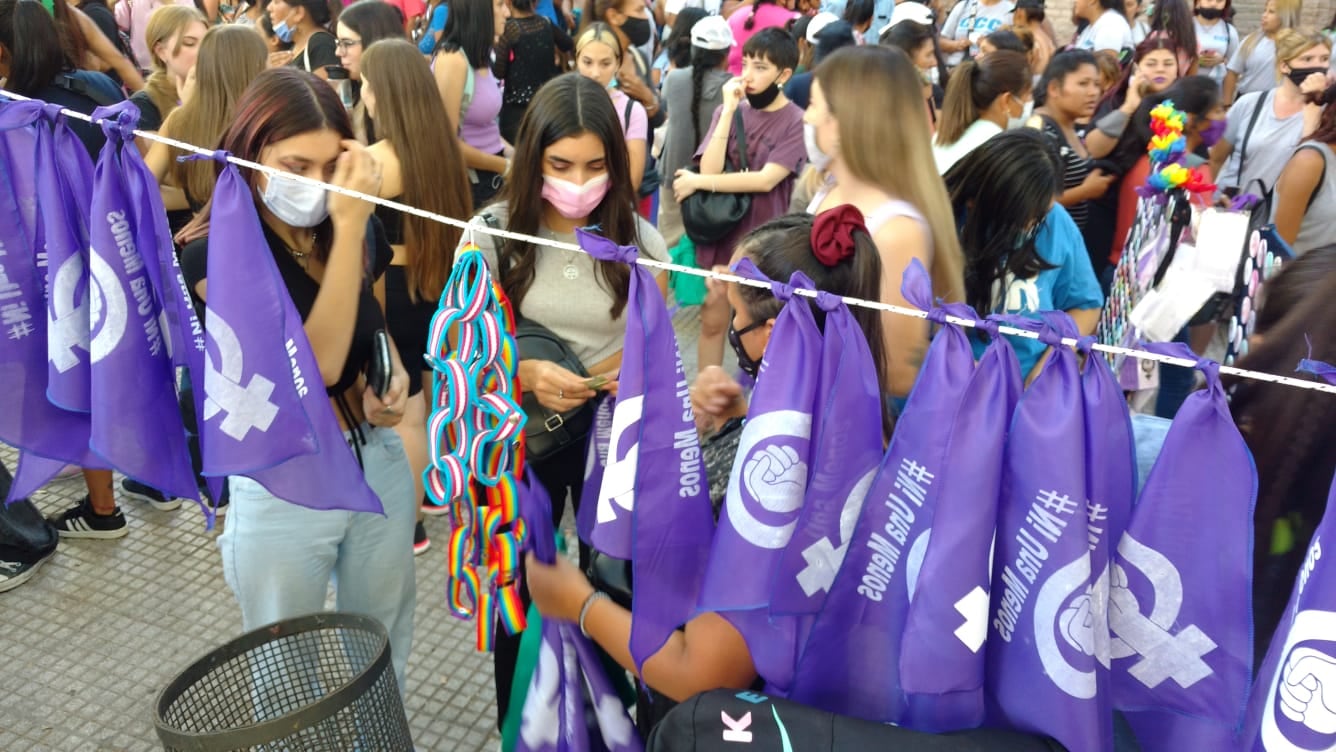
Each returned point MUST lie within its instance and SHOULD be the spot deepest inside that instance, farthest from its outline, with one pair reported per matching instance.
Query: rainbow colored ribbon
(474, 438)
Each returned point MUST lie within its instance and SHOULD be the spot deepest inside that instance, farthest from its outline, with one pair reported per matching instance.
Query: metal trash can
(318, 683)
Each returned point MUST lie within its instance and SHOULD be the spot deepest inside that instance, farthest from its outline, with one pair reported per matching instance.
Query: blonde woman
(598, 55)
(173, 35)
(230, 57)
(885, 168)
(1253, 67)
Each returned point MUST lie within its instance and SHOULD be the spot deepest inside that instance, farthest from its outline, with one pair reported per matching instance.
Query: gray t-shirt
(1269, 146)
(974, 20)
(1318, 228)
(1256, 69)
(577, 310)
(680, 142)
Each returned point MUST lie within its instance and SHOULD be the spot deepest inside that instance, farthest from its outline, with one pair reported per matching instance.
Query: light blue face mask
(283, 32)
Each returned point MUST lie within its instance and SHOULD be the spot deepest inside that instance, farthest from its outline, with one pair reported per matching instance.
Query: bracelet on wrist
(593, 597)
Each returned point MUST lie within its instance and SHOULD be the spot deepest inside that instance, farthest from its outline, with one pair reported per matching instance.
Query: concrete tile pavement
(90, 641)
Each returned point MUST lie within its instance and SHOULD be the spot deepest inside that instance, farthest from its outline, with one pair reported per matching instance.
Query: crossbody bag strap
(1247, 134)
(742, 140)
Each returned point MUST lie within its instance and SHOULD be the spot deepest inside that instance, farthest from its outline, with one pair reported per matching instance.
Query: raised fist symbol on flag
(774, 476)
(1308, 690)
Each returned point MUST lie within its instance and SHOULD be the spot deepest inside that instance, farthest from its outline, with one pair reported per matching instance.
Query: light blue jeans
(278, 557)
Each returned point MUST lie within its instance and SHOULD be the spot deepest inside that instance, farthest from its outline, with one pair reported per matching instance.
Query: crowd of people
(970, 138)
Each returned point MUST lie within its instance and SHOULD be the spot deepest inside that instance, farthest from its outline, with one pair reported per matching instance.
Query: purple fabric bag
(47, 436)
(767, 487)
(653, 505)
(78, 323)
(136, 421)
(846, 450)
(863, 617)
(1293, 703)
(568, 678)
(1180, 604)
(266, 414)
(1047, 647)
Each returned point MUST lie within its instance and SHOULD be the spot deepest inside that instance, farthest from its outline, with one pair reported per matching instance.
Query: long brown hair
(230, 57)
(974, 86)
(861, 85)
(430, 161)
(165, 22)
(568, 105)
(280, 103)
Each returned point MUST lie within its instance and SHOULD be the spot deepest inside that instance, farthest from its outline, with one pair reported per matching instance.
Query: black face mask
(637, 30)
(1297, 75)
(1211, 14)
(746, 363)
(765, 98)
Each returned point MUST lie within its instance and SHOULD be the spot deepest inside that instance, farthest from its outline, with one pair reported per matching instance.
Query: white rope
(471, 227)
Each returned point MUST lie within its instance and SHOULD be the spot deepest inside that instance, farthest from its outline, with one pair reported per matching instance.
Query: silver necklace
(569, 270)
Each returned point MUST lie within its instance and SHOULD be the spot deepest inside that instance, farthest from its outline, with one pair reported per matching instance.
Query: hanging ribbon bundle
(474, 442)
(1167, 150)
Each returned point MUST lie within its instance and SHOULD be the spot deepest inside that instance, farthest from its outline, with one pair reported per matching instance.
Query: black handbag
(547, 432)
(708, 216)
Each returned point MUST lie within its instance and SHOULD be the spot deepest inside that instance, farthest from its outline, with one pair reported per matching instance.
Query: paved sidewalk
(87, 645)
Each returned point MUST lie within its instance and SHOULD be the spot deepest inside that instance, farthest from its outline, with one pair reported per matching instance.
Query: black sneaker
(149, 495)
(420, 540)
(15, 573)
(81, 521)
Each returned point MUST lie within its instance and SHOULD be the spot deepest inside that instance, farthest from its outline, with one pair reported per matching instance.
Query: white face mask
(817, 158)
(1026, 110)
(295, 204)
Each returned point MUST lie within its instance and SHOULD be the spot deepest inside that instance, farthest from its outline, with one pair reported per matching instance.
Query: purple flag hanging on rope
(569, 672)
(942, 658)
(78, 322)
(1180, 602)
(861, 622)
(767, 486)
(1293, 703)
(653, 505)
(1047, 647)
(136, 422)
(47, 436)
(596, 459)
(847, 450)
(266, 414)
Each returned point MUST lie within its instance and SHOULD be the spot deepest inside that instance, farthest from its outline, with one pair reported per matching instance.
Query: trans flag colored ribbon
(653, 504)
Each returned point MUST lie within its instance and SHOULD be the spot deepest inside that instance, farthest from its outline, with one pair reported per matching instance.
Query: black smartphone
(380, 367)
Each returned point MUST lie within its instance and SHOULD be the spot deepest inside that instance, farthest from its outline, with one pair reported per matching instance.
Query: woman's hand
(635, 88)
(733, 92)
(686, 183)
(357, 171)
(556, 388)
(280, 58)
(1096, 184)
(559, 590)
(186, 88)
(714, 393)
(1133, 98)
(388, 411)
(1314, 84)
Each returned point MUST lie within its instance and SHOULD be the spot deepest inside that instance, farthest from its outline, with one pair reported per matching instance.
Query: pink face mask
(575, 201)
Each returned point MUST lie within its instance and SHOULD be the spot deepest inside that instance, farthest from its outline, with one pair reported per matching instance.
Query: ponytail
(751, 19)
(975, 85)
(702, 62)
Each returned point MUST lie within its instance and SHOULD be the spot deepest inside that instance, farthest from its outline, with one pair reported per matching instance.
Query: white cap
(819, 22)
(712, 33)
(909, 10)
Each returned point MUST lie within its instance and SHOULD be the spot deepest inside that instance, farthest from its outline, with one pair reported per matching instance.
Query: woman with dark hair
(88, 48)
(361, 25)
(631, 23)
(1071, 92)
(1136, 20)
(919, 43)
(1106, 28)
(421, 167)
(462, 64)
(694, 93)
(858, 14)
(1217, 39)
(678, 47)
(305, 23)
(835, 35)
(985, 96)
(1003, 39)
(1304, 211)
(1030, 17)
(1154, 69)
(1263, 128)
(279, 557)
(526, 58)
(1023, 254)
(571, 171)
(763, 14)
(1174, 18)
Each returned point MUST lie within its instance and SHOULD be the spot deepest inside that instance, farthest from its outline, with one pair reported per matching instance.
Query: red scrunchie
(833, 233)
